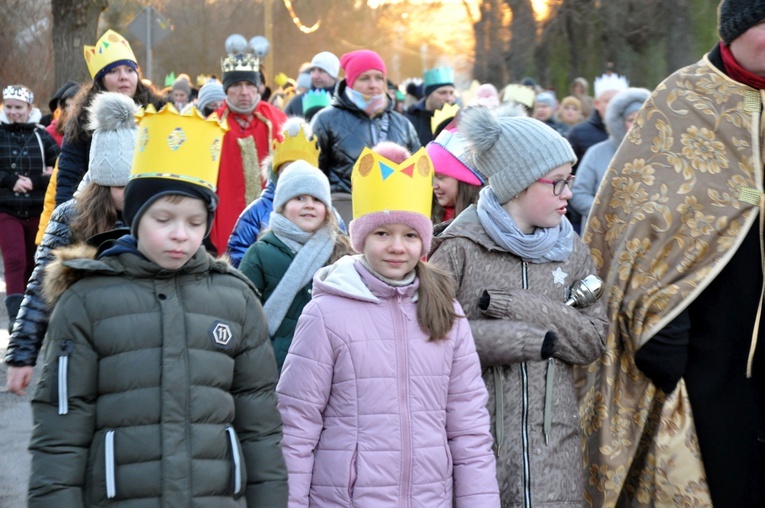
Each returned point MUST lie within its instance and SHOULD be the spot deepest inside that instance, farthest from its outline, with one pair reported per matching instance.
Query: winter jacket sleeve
(303, 390)
(581, 331)
(60, 443)
(245, 234)
(585, 185)
(467, 426)
(32, 320)
(72, 165)
(257, 422)
(252, 267)
(497, 342)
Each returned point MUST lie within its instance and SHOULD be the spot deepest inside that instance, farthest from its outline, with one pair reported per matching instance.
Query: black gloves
(548, 345)
(664, 357)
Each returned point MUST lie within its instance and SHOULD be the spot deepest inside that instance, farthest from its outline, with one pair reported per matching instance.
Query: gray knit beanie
(513, 152)
(734, 17)
(111, 117)
(299, 179)
(210, 91)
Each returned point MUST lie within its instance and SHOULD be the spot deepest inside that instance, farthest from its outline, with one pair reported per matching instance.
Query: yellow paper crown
(379, 184)
(110, 48)
(439, 115)
(178, 146)
(295, 147)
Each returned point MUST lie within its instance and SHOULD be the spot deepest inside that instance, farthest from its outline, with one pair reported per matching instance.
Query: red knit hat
(360, 61)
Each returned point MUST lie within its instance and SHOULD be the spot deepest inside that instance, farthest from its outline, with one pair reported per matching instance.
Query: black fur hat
(734, 17)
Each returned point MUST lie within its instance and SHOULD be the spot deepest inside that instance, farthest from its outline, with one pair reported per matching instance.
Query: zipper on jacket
(525, 411)
(64, 351)
(549, 380)
(403, 393)
(111, 482)
(237, 476)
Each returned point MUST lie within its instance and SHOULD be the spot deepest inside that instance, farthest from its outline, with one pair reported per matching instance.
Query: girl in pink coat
(381, 392)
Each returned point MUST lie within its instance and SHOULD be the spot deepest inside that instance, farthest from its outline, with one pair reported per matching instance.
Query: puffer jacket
(375, 414)
(157, 389)
(26, 150)
(538, 464)
(343, 130)
(251, 222)
(32, 320)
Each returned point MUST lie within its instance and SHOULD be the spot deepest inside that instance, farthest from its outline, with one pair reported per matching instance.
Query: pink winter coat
(374, 414)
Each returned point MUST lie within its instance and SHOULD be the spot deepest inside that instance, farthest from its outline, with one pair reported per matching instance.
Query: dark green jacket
(157, 389)
(265, 263)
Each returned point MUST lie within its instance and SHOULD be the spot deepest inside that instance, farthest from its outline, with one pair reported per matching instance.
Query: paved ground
(15, 427)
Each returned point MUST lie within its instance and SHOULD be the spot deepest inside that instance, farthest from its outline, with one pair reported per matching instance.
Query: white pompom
(236, 44)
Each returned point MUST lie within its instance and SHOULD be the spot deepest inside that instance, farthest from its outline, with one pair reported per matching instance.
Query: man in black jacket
(439, 90)
(325, 67)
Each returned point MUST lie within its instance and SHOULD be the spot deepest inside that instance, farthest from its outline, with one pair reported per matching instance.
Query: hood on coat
(341, 278)
(615, 111)
(59, 276)
(34, 116)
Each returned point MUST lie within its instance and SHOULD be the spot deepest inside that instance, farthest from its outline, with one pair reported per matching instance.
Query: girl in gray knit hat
(515, 257)
(303, 236)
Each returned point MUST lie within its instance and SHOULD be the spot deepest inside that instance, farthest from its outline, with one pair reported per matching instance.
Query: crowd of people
(341, 292)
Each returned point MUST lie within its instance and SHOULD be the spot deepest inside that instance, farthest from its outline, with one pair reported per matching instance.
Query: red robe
(239, 177)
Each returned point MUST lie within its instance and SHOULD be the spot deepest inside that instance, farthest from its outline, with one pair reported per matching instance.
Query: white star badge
(559, 276)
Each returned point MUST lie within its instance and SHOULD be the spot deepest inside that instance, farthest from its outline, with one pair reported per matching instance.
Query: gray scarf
(542, 246)
(313, 252)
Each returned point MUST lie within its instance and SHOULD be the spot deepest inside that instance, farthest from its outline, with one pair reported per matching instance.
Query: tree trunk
(679, 35)
(75, 24)
(489, 62)
(523, 41)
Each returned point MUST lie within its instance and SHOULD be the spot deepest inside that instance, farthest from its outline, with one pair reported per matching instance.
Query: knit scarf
(313, 252)
(542, 246)
(734, 70)
(371, 105)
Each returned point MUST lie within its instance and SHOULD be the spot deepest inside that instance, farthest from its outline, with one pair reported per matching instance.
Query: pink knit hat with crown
(360, 227)
(360, 61)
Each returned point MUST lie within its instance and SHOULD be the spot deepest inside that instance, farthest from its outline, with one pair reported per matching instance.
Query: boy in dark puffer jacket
(158, 385)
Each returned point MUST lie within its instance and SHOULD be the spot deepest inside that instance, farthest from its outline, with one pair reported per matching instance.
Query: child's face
(171, 230)
(306, 212)
(445, 189)
(393, 250)
(538, 206)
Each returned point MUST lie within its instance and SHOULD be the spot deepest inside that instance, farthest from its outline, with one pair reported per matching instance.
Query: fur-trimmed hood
(615, 111)
(63, 271)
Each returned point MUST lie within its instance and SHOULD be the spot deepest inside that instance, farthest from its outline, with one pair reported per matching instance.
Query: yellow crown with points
(380, 185)
(439, 115)
(110, 48)
(178, 146)
(297, 147)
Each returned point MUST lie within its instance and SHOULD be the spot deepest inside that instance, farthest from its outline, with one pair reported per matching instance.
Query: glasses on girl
(559, 185)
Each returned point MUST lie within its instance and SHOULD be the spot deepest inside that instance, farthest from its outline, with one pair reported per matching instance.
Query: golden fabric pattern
(676, 202)
(250, 168)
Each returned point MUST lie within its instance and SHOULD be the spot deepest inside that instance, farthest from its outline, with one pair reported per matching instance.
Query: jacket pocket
(237, 483)
(109, 465)
(353, 473)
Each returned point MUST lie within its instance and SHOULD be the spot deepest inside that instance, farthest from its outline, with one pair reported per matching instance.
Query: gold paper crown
(110, 48)
(379, 184)
(294, 148)
(178, 146)
(246, 62)
(439, 115)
